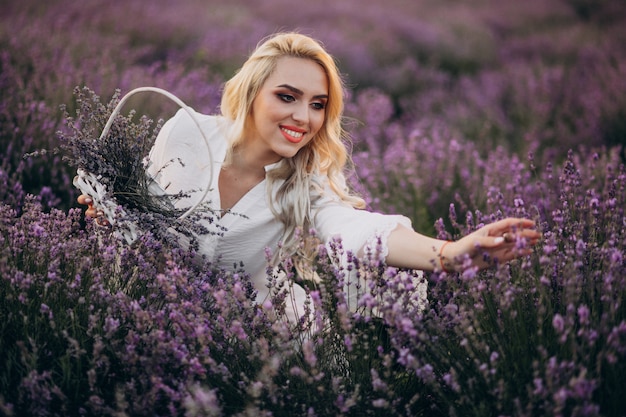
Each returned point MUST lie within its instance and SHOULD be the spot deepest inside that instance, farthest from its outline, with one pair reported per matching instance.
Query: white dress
(179, 161)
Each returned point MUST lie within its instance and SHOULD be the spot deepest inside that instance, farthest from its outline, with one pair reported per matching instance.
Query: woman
(279, 161)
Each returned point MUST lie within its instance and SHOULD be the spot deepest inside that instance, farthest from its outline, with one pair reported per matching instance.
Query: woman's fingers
(509, 230)
(510, 225)
(84, 199)
(503, 241)
(92, 211)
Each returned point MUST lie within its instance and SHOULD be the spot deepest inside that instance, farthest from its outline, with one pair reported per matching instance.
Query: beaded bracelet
(443, 267)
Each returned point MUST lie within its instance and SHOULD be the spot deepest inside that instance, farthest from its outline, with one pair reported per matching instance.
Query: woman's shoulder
(182, 136)
(190, 118)
(187, 125)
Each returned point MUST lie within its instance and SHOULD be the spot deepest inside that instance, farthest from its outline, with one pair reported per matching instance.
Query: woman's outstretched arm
(495, 242)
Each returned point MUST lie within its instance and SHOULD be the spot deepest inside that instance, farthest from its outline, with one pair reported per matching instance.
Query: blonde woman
(278, 169)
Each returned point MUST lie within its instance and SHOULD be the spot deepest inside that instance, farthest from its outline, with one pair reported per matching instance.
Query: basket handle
(118, 108)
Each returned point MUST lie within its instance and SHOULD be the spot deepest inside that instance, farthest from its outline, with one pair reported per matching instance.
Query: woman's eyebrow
(300, 92)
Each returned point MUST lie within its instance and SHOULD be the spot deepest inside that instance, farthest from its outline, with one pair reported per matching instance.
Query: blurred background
(434, 85)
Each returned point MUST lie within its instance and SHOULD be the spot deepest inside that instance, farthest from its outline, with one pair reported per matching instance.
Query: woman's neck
(250, 160)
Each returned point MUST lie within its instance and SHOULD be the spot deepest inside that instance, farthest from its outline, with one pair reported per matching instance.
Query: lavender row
(92, 326)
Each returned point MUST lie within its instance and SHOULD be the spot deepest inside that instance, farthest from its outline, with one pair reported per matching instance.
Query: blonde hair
(325, 155)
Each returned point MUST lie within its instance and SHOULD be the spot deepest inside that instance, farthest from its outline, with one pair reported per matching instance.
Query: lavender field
(460, 113)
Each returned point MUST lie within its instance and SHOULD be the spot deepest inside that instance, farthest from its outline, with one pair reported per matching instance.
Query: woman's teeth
(293, 133)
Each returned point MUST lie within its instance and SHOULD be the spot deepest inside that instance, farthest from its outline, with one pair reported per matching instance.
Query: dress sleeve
(358, 230)
(178, 161)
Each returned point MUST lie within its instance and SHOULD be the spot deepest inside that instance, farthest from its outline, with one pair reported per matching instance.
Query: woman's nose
(301, 113)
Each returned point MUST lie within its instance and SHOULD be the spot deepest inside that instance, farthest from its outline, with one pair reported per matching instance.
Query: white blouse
(179, 162)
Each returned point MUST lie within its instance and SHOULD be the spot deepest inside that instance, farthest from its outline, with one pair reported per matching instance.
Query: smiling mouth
(292, 135)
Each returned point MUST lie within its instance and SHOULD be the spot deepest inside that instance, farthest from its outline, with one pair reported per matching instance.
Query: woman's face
(289, 109)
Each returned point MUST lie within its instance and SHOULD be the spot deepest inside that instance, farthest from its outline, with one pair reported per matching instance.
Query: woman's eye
(287, 98)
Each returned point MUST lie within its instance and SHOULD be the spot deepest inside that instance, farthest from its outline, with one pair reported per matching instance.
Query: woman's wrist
(446, 263)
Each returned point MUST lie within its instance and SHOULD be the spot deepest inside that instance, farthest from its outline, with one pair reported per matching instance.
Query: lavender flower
(112, 169)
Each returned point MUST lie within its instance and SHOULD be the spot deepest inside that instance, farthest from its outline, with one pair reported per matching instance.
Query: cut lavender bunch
(110, 152)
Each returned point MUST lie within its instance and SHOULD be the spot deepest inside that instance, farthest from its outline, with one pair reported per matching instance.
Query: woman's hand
(92, 211)
(499, 242)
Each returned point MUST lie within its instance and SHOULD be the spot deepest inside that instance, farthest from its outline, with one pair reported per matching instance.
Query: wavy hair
(324, 156)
